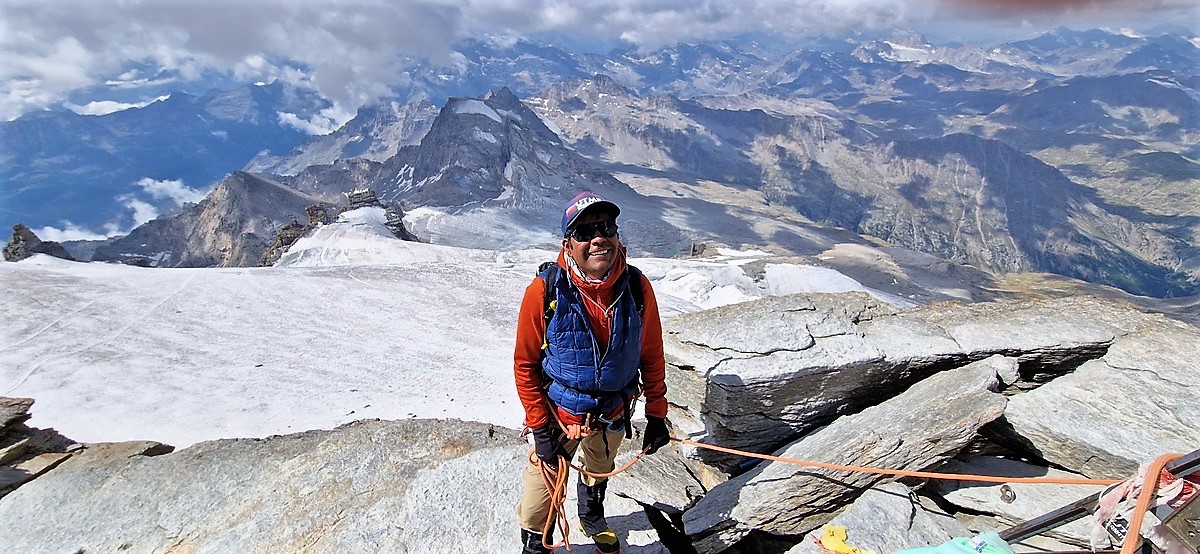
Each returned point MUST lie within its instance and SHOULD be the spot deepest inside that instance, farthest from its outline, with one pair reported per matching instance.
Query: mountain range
(1073, 153)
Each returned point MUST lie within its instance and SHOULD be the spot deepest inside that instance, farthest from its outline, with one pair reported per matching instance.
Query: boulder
(759, 374)
(13, 411)
(1135, 403)
(25, 243)
(785, 499)
(664, 481)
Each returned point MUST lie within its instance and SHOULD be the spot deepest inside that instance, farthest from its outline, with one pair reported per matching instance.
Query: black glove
(657, 435)
(547, 445)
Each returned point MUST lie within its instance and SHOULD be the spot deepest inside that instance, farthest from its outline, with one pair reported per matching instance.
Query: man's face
(596, 254)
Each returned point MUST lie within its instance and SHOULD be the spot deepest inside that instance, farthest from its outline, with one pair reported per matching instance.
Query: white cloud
(142, 211)
(166, 194)
(104, 107)
(171, 189)
(326, 121)
(355, 52)
(69, 231)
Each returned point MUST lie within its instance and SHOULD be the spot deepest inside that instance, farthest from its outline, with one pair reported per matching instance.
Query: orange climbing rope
(555, 479)
(1149, 488)
(904, 473)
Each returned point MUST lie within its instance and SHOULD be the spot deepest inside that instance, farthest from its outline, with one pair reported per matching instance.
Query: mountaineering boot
(531, 543)
(606, 541)
(591, 517)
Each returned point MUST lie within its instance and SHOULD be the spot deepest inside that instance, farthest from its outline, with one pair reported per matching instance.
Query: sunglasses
(585, 232)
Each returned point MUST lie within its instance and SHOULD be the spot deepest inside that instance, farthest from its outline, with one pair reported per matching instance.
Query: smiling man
(589, 341)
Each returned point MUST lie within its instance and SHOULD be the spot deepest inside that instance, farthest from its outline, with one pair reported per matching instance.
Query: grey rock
(29, 469)
(786, 499)
(1027, 500)
(367, 486)
(13, 410)
(25, 243)
(887, 518)
(1112, 414)
(13, 449)
(663, 481)
(104, 453)
(1049, 337)
(759, 374)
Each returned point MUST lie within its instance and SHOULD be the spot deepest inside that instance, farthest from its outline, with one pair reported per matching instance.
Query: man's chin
(600, 268)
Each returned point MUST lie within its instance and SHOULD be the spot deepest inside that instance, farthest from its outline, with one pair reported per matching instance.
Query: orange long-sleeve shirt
(531, 330)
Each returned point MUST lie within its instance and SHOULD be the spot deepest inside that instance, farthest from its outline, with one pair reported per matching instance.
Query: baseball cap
(586, 201)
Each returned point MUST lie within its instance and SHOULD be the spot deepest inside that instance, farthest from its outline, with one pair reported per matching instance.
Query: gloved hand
(657, 435)
(547, 445)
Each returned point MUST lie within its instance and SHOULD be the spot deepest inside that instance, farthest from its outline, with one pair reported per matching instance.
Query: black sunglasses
(585, 232)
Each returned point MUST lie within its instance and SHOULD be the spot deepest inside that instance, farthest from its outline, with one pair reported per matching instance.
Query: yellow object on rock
(833, 539)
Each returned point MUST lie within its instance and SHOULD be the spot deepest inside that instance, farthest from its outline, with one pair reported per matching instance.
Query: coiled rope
(555, 479)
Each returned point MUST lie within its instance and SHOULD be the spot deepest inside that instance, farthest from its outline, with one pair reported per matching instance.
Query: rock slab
(786, 499)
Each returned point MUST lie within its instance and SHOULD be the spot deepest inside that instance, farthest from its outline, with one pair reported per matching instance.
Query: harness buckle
(613, 425)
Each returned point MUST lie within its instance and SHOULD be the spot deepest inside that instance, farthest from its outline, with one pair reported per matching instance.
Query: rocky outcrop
(758, 375)
(783, 499)
(284, 238)
(318, 215)
(368, 486)
(846, 380)
(1113, 413)
(25, 243)
(27, 453)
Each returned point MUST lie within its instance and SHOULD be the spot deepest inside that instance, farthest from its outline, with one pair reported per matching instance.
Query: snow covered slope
(352, 324)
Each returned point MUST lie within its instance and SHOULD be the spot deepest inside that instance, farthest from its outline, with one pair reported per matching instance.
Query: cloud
(69, 231)
(323, 123)
(104, 107)
(164, 194)
(173, 190)
(353, 52)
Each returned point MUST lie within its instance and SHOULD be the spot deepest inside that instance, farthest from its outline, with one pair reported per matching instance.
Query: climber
(589, 340)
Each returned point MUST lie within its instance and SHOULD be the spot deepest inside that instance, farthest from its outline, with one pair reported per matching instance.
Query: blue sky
(354, 50)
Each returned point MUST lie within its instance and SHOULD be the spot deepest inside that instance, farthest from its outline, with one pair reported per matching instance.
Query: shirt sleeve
(653, 362)
(527, 355)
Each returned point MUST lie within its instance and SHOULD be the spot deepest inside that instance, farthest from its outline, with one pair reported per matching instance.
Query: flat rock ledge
(1090, 386)
(366, 486)
(27, 453)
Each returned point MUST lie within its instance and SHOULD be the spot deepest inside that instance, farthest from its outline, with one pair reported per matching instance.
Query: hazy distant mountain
(377, 132)
(488, 155)
(958, 196)
(61, 166)
(1072, 152)
(232, 227)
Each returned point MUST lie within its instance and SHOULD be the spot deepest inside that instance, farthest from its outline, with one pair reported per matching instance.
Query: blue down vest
(583, 379)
